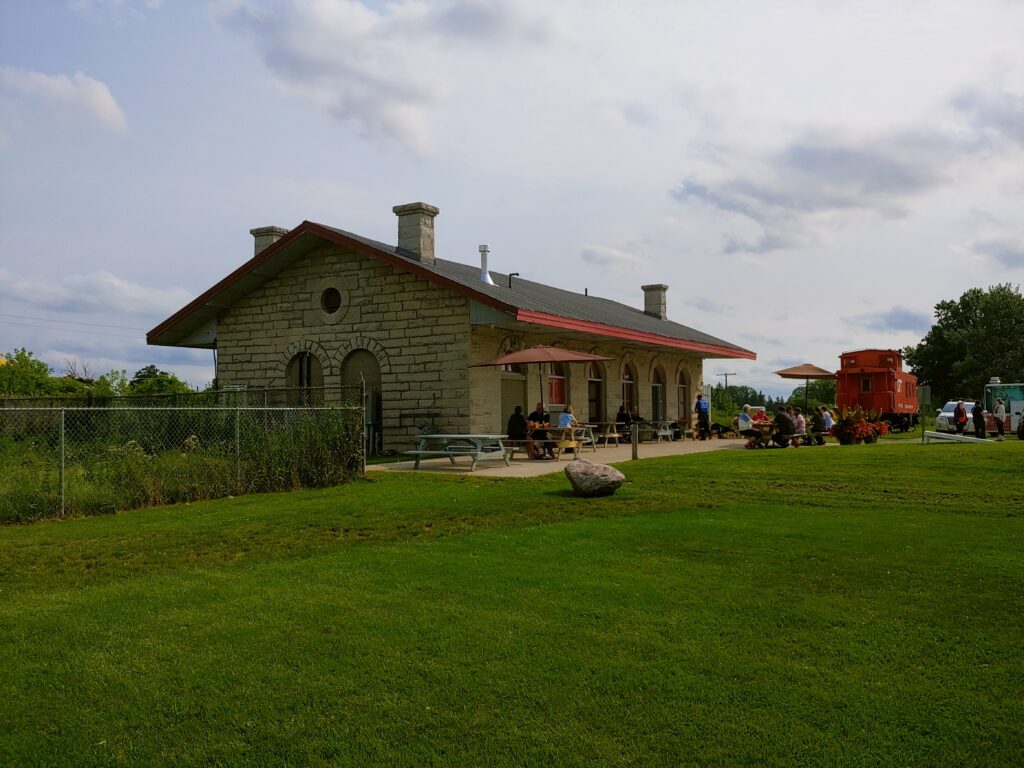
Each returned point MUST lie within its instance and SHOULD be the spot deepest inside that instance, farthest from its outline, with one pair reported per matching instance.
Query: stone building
(318, 306)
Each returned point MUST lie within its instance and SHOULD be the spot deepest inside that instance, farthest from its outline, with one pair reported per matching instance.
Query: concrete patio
(520, 466)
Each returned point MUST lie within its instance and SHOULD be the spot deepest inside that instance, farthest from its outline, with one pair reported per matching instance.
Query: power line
(74, 322)
(72, 330)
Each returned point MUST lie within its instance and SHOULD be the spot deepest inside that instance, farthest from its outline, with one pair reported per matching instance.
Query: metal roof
(589, 313)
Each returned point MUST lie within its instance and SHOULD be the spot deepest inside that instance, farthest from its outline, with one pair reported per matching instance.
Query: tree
(24, 375)
(973, 339)
(819, 392)
(114, 383)
(152, 381)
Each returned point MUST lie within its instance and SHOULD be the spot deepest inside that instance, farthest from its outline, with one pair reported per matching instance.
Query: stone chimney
(266, 236)
(416, 229)
(654, 301)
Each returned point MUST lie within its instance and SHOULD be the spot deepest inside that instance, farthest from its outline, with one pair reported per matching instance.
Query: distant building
(318, 306)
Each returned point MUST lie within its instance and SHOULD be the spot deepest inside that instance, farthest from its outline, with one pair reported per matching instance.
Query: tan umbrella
(805, 372)
(541, 355)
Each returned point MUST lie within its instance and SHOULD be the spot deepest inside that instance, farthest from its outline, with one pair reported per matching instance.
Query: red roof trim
(554, 321)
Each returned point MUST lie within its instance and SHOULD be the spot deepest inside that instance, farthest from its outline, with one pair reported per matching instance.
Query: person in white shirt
(745, 426)
(829, 421)
(1000, 416)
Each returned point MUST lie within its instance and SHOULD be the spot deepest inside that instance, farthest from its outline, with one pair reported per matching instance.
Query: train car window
(865, 384)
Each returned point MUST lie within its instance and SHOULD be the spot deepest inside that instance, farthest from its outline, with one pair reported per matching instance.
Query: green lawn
(843, 606)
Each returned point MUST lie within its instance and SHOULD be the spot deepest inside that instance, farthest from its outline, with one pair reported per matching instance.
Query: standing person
(959, 417)
(978, 415)
(1000, 415)
(703, 409)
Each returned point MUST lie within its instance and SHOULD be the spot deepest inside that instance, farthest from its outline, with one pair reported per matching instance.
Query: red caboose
(874, 379)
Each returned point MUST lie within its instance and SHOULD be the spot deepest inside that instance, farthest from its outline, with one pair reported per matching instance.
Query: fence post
(634, 438)
(62, 450)
(238, 450)
(363, 437)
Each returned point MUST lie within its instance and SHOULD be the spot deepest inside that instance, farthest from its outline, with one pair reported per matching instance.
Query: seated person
(818, 424)
(635, 418)
(541, 419)
(784, 429)
(830, 420)
(799, 421)
(518, 429)
(622, 422)
(745, 426)
(568, 418)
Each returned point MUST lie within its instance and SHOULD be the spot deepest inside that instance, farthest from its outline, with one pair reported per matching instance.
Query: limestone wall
(418, 332)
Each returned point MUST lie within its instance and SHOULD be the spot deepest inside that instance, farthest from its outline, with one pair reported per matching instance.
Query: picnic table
(604, 430)
(660, 428)
(477, 447)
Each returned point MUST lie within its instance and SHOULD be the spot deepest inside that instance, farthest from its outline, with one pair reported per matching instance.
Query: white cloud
(381, 71)
(96, 292)
(78, 93)
(798, 194)
(604, 256)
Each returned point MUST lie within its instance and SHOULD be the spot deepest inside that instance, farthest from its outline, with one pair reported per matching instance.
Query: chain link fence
(126, 453)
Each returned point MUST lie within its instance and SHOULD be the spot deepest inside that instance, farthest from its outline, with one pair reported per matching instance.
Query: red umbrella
(805, 372)
(542, 355)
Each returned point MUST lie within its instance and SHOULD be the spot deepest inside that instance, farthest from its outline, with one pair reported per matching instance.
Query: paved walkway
(520, 466)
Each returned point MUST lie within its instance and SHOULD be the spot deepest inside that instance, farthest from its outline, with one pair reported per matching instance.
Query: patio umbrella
(805, 372)
(541, 355)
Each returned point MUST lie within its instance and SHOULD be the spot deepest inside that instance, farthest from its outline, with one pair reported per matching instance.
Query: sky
(807, 177)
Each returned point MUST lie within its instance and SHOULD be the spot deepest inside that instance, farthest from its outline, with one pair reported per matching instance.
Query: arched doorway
(683, 404)
(595, 392)
(658, 394)
(360, 365)
(304, 375)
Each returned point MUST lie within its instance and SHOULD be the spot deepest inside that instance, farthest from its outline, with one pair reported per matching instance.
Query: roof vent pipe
(485, 276)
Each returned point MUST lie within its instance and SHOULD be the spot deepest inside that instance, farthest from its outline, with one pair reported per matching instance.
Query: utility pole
(727, 375)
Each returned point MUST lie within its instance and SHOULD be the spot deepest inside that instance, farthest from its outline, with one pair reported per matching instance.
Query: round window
(330, 300)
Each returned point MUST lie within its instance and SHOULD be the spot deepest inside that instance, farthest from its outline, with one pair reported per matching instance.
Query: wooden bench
(807, 438)
(518, 446)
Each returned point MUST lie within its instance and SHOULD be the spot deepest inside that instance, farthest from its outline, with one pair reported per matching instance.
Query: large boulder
(589, 479)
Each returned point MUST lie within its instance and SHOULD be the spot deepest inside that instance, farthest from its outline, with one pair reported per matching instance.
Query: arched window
(557, 389)
(629, 387)
(305, 376)
(658, 394)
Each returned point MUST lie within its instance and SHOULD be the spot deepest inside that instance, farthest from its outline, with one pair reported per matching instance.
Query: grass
(855, 606)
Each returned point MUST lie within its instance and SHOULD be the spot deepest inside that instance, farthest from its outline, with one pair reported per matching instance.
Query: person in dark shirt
(703, 409)
(818, 425)
(622, 422)
(541, 417)
(978, 415)
(517, 428)
(784, 429)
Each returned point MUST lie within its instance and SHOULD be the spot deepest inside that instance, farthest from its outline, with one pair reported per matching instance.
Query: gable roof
(525, 300)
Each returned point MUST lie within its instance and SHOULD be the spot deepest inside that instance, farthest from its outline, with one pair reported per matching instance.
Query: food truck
(1013, 401)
